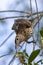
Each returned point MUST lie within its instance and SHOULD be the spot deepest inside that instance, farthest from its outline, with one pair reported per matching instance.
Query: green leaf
(41, 33)
(33, 55)
(42, 40)
(29, 64)
(24, 53)
(35, 63)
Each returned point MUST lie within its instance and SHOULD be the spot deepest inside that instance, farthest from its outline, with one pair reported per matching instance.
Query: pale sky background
(5, 29)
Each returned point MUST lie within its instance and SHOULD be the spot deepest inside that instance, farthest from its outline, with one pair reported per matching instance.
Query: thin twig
(21, 16)
(25, 46)
(37, 21)
(39, 61)
(32, 18)
(12, 17)
(31, 42)
(5, 11)
(37, 17)
(20, 11)
(21, 46)
(12, 59)
(4, 55)
(7, 38)
(31, 8)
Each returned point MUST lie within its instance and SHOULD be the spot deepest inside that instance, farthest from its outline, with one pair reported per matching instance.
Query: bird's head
(19, 38)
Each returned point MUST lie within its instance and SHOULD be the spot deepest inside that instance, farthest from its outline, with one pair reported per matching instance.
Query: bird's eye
(16, 38)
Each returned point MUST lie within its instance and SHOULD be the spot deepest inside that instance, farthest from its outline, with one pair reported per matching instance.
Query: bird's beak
(16, 43)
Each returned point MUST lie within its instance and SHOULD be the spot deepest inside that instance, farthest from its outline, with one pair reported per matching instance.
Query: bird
(23, 29)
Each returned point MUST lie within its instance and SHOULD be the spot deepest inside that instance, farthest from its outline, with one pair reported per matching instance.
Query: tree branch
(20, 11)
(33, 14)
(12, 59)
(5, 11)
(4, 55)
(31, 42)
(7, 38)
